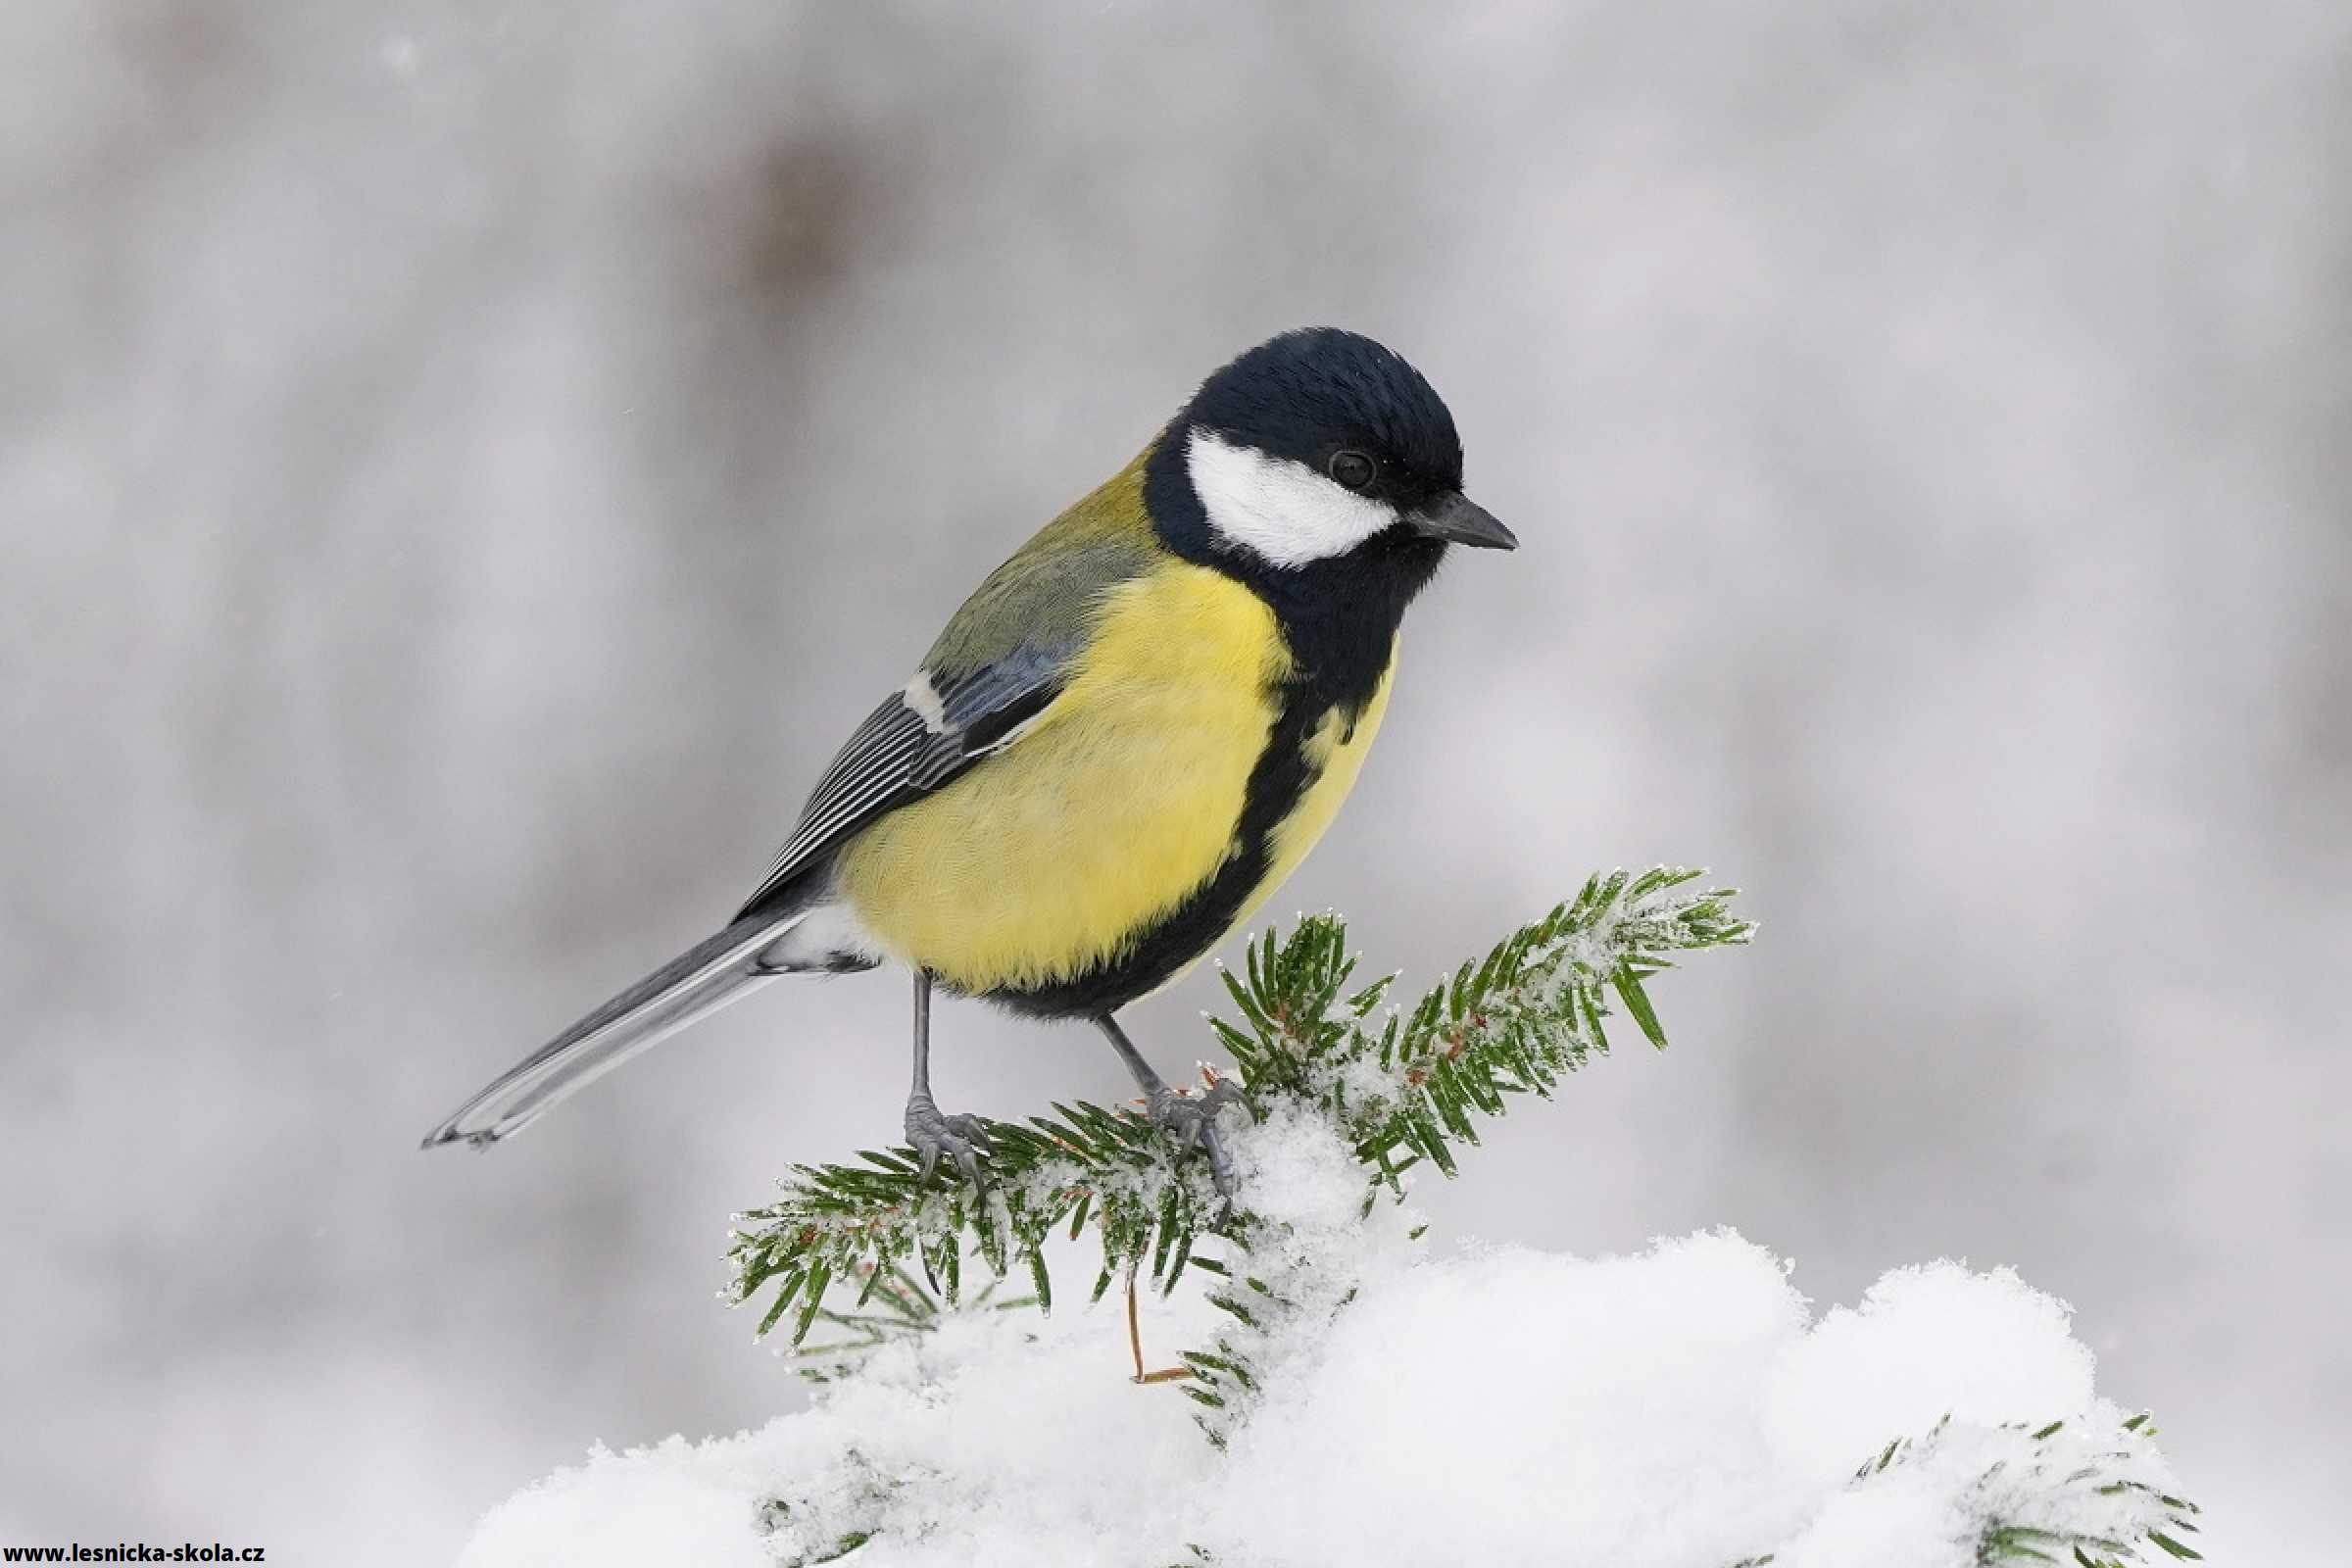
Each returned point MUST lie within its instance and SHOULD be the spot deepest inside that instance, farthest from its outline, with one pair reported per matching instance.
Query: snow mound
(1682, 1408)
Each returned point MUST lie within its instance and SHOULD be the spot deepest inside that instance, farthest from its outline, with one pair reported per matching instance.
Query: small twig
(1135, 1345)
(1135, 1333)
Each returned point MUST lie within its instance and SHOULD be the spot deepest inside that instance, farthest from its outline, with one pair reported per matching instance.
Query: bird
(1127, 737)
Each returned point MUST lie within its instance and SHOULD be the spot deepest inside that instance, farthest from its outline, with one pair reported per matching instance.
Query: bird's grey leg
(929, 1133)
(1191, 1118)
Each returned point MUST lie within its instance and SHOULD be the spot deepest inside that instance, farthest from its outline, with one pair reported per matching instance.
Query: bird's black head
(1323, 471)
(1317, 447)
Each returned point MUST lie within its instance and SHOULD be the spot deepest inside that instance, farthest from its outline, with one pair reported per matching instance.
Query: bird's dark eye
(1353, 468)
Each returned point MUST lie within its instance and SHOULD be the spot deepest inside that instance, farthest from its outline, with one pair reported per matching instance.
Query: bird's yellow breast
(1056, 856)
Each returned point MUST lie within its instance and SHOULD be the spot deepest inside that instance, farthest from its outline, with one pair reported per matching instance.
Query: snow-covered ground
(1685, 1407)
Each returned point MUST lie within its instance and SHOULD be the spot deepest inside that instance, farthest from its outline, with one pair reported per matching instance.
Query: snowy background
(462, 468)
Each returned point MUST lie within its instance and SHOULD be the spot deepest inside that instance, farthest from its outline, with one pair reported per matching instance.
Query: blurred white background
(463, 467)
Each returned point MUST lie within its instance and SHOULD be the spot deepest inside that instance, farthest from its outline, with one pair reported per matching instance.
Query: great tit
(1121, 743)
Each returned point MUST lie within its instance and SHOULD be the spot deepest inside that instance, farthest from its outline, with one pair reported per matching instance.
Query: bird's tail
(691, 986)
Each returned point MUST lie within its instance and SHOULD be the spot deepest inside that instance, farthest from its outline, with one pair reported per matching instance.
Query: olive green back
(1041, 598)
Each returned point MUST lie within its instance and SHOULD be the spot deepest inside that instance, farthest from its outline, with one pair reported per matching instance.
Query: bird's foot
(959, 1138)
(1192, 1119)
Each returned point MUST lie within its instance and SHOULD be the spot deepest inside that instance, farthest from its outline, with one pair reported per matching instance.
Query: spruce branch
(2061, 1493)
(1402, 1089)
(2055, 1493)
(1515, 1022)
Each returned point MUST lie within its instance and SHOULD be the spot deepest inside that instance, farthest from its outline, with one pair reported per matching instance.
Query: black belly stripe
(1281, 775)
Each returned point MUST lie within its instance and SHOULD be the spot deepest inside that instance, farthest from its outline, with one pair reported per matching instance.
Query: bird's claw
(962, 1139)
(1192, 1119)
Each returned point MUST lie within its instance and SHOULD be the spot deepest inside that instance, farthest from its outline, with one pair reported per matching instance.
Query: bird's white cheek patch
(1283, 511)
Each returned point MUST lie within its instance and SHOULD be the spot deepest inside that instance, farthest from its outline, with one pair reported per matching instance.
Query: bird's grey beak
(1458, 520)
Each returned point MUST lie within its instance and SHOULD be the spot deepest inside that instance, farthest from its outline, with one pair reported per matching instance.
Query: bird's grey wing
(918, 739)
